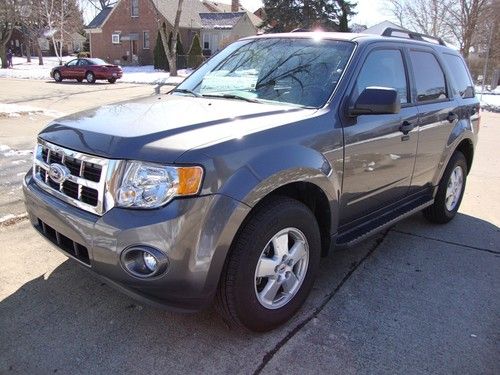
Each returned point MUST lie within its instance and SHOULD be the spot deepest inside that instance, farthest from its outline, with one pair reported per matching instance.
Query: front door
(379, 157)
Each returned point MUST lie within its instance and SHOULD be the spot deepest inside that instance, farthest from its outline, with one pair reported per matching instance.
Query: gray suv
(274, 152)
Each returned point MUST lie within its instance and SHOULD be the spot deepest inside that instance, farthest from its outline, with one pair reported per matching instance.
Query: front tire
(90, 77)
(58, 76)
(112, 80)
(271, 266)
(450, 191)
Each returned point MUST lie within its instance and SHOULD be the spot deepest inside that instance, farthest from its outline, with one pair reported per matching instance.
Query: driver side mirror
(376, 101)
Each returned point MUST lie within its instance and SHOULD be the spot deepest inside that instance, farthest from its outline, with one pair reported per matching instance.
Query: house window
(206, 43)
(145, 40)
(134, 8)
(115, 38)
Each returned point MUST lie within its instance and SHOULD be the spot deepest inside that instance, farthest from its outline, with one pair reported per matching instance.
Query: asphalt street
(416, 299)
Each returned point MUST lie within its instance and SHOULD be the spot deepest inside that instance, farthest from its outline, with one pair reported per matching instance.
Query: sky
(370, 12)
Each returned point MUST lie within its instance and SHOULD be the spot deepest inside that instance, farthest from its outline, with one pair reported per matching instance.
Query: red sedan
(89, 69)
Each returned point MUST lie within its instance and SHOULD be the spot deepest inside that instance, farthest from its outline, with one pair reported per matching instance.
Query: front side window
(145, 40)
(134, 8)
(429, 77)
(461, 80)
(383, 68)
(300, 71)
(72, 63)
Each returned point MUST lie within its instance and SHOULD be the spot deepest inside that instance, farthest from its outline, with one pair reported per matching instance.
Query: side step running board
(368, 229)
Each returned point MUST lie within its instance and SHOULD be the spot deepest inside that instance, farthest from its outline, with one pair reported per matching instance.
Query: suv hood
(162, 128)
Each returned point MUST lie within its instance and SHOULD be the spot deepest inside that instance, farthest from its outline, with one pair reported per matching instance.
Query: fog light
(144, 261)
(150, 261)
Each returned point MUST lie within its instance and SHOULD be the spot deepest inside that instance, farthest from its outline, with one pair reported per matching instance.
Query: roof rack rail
(412, 35)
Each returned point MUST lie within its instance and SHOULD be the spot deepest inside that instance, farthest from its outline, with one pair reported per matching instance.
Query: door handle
(406, 127)
(452, 117)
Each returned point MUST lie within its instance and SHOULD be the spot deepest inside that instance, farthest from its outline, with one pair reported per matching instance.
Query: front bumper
(194, 233)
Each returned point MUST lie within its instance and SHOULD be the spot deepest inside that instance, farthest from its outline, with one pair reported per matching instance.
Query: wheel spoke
(290, 283)
(266, 267)
(270, 290)
(280, 245)
(297, 252)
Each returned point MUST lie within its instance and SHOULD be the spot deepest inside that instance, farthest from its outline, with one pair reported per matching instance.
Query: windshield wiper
(187, 91)
(231, 96)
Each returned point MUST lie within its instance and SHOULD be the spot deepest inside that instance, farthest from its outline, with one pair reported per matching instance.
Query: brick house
(126, 34)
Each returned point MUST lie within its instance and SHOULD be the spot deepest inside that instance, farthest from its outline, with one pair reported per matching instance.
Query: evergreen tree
(328, 15)
(195, 57)
(159, 56)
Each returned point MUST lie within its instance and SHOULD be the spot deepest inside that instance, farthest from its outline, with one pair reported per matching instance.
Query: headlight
(147, 185)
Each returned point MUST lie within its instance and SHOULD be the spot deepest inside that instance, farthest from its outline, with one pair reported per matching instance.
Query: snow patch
(16, 110)
(6, 151)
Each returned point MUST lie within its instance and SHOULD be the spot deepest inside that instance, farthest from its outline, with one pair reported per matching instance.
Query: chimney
(235, 6)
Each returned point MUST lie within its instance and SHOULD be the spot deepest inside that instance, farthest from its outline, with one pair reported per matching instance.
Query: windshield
(97, 62)
(296, 71)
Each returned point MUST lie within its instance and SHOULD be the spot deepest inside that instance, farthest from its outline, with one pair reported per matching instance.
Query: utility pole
(485, 68)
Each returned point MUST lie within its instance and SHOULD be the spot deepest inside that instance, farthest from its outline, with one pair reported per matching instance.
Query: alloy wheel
(454, 188)
(281, 268)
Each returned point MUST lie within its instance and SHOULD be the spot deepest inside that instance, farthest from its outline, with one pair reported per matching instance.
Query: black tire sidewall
(248, 309)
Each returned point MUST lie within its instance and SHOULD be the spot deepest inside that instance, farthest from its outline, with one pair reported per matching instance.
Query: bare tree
(33, 26)
(62, 17)
(464, 21)
(9, 16)
(170, 48)
(425, 16)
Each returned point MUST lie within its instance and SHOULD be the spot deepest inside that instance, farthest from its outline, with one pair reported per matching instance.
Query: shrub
(159, 57)
(83, 55)
(195, 57)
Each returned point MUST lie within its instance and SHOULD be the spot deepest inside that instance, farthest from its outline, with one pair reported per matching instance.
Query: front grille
(69, 246)
(85, 176)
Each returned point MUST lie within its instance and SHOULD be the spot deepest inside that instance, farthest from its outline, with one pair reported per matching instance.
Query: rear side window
(383, 68)
(462, 83)
(429, 77)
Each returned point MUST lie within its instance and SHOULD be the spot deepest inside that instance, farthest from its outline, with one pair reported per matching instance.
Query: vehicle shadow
(69, 320)
(75, 82)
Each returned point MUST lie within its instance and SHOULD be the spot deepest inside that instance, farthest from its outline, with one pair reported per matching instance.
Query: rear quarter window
(429, 77)
(462, 84)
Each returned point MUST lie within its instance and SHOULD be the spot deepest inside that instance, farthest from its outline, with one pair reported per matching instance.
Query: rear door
(438, 114)
(379, 156)
(81, 68)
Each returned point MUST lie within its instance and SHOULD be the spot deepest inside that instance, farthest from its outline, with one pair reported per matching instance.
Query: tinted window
(429, 77)
(383, 68)
(83, 62)
(461, 80)
(72, 63)
(298, 71)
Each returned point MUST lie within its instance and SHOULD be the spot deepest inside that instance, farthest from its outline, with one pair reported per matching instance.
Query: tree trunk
(3, 56)
(39, 53)
(28, 51)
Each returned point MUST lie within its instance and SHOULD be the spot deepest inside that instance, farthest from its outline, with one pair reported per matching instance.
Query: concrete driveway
(416, 299)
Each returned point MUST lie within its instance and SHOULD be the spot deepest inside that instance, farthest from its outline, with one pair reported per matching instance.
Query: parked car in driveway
(277, 150)
(90, 69)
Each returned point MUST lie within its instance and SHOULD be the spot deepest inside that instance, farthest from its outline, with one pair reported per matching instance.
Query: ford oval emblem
(58, 173)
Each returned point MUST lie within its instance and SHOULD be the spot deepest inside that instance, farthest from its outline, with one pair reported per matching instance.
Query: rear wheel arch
(466, 147)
